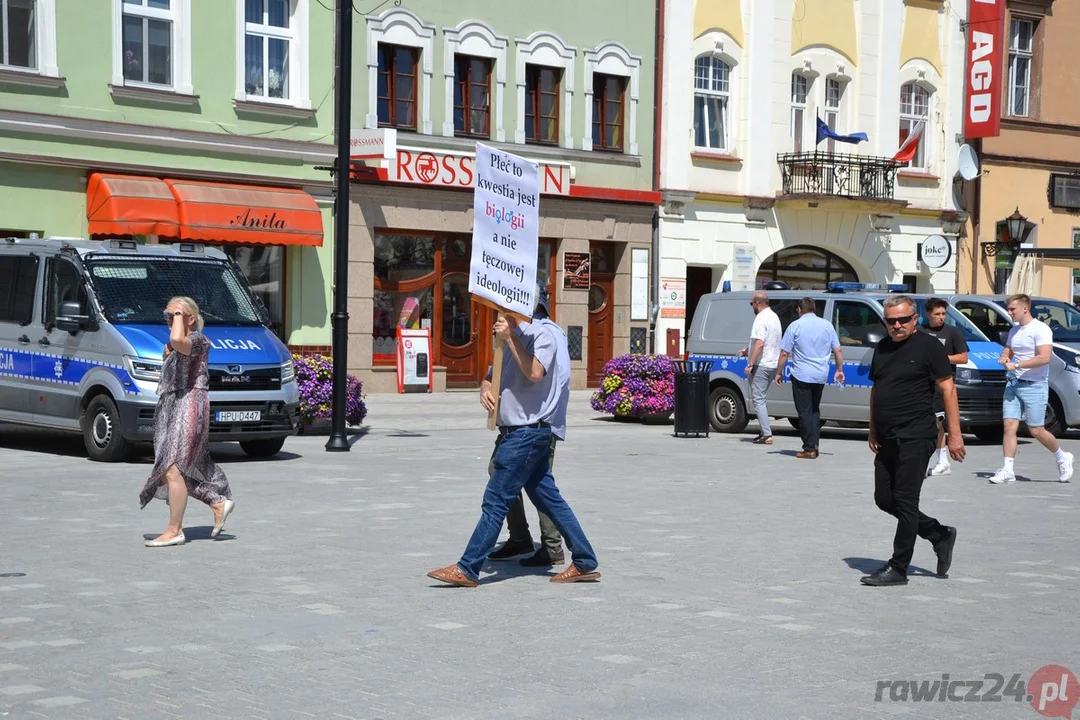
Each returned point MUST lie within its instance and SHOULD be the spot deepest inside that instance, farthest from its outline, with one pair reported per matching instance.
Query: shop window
(608, 116)
(405, 277)
(472, 96)
(411, 309)
(456, 310)
(542, 104)
(805, 268)
(397, 86)
(857, 324)
(264, 268)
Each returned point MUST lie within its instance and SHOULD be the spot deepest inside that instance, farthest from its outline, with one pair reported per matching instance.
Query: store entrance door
(601, 310)
(466, 332)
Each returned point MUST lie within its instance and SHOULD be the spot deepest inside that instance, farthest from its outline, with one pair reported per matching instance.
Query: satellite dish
(968, 162)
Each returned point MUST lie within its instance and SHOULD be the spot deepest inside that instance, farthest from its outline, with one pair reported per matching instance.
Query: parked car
(987, 312)
(82, 340)
(721, 327)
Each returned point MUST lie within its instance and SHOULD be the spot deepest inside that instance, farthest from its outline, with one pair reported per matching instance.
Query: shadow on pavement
(868, 566)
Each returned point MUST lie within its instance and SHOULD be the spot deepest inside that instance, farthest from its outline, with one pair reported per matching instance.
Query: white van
(721, 327)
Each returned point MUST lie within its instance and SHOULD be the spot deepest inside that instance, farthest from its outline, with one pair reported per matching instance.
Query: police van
(721, 327)
(82, 342)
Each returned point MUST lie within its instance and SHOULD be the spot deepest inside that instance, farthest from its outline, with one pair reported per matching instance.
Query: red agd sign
(442, 170)
(985, 76)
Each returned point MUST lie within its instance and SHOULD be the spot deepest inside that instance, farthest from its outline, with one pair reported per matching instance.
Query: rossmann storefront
(410, 235)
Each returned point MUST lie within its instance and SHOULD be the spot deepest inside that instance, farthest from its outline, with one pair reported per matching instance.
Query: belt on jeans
(507, 429)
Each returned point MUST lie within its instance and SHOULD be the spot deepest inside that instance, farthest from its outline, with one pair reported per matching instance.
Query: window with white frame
(914, 111)
(148, 30)
(18, 34)
(269, 41)
(1021, 54)
(834, 95)
(800, 88)
(712, 97)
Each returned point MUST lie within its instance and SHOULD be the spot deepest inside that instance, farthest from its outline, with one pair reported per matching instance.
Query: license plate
(239, 416)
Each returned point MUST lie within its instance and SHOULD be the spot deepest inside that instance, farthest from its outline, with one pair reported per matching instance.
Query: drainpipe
(976, 221)
(658, 95)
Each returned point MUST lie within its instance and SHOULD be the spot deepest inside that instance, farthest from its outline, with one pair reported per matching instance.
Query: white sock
(1008, 466)
(1060, 455)
(943, 456)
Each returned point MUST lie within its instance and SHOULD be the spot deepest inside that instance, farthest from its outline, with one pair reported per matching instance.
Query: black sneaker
(885, 577)
(763, 440)
(943, 548)
(511, 549)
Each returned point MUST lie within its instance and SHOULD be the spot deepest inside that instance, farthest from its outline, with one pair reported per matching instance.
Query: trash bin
(692, 397)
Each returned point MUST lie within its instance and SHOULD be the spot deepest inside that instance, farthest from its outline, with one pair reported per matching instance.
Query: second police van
(721, 327)
(82, 340)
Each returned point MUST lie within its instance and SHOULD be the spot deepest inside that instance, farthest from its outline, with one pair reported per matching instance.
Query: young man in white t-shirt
(761, 359)
(1027, 361)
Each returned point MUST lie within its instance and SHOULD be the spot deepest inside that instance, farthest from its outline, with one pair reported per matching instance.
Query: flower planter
(314, 380)
(636, 387)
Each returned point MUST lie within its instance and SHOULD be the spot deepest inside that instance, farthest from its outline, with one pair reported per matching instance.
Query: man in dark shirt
(956, 348)
(906, 367)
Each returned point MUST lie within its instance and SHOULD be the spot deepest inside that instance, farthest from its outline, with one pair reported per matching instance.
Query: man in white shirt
(1027, 390)
(761, 359)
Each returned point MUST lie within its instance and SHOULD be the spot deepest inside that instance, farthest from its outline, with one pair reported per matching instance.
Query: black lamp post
(1017, 223)
(339, 441)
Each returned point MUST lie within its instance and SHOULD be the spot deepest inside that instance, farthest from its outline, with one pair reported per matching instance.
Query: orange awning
(130, 205)
(218, 212)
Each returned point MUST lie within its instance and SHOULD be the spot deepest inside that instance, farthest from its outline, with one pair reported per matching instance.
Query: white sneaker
(1065, 468)
(1003, 476)
(942, 469)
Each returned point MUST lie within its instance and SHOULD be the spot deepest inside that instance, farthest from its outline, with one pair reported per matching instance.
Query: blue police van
(721, 327)
(82, 342)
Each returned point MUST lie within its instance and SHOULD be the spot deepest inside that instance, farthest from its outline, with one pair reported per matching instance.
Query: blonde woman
(182, 464)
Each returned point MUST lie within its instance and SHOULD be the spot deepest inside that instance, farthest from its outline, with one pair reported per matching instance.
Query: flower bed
(314, 381)
(636, 386)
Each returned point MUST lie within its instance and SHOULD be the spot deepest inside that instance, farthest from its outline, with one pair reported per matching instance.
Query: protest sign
(505, 242)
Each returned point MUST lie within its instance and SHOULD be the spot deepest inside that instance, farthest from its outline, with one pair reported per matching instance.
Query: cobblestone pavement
(730, 582)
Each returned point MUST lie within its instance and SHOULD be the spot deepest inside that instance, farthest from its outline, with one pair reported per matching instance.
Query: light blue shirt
(810, 341)
(523, 402)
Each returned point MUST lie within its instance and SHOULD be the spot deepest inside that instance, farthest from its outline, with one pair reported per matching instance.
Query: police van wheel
(101, 431)
(1055, 417)
(727, 412)
(263, 448)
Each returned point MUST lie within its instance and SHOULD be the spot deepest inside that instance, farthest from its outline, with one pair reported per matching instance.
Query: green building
(178, 119)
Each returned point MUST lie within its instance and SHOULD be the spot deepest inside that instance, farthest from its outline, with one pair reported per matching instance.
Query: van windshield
(952, 317)
(135, 290)
(1063, 319)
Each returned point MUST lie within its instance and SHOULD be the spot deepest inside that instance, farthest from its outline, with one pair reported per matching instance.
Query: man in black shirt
(906, 367)
(956, 348)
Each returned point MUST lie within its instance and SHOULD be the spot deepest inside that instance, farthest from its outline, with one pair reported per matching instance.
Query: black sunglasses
(899, 320)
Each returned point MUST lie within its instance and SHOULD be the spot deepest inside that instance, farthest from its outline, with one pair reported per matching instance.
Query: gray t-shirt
(523, 402)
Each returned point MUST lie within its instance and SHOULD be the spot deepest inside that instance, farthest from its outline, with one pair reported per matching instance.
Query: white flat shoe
(225, 511)
(178, 540)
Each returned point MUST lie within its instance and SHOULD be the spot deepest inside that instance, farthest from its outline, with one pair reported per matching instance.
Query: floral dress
(182, 428)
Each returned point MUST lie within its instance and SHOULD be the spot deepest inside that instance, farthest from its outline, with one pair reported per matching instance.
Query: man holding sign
(531, 380)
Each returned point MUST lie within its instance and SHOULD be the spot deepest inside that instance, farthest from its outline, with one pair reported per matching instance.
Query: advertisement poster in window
(742, 264)
(506, 236)
(639, 284)
(673, 298)
(576, 271)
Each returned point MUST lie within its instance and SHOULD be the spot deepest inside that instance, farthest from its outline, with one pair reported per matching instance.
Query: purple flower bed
(636, 386)
(314, 379)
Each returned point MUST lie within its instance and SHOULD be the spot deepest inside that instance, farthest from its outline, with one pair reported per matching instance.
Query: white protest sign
(506, 230)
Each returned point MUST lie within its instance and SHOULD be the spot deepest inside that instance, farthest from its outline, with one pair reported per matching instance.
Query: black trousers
(807, 397)
(899, 471)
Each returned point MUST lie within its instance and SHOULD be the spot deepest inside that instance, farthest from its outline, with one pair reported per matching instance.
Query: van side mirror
(1003, 337)
(71, 318)
(873, 337)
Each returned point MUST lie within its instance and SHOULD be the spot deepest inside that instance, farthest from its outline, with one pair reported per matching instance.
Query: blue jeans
(1024, 400)
(522, 461)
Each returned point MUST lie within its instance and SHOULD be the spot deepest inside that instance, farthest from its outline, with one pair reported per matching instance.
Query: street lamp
(1016, 224)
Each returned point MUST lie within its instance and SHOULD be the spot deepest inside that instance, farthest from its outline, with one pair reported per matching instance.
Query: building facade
(1033, 167)
(568, 85)
(169, 120)
(749, 194)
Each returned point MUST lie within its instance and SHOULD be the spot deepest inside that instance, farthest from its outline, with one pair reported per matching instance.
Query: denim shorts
(1026, 401)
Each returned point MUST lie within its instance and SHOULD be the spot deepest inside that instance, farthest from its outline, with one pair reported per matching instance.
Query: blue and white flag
(824, 131)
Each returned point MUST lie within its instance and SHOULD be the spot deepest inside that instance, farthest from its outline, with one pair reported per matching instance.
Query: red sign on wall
(985, 75)
(446, 170)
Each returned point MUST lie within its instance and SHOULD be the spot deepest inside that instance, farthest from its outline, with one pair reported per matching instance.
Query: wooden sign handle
(496, 378)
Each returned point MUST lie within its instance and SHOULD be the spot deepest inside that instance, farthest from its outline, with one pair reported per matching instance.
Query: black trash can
(692, 397)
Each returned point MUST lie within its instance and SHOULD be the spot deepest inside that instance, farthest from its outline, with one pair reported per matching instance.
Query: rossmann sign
(447, 170)
(985, 76)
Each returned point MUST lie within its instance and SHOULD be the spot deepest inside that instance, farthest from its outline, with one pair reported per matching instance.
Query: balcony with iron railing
(825, 174)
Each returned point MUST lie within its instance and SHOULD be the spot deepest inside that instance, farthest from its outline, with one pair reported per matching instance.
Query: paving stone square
(730, 582)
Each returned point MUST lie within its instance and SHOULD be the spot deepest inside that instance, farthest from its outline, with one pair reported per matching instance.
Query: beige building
(1033, 167)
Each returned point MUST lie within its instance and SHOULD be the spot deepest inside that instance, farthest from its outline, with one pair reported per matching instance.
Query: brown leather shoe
(452, 575)
(807, 455)
(574, 574)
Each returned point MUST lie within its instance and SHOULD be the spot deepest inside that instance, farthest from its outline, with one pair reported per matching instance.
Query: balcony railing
(850, 176)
